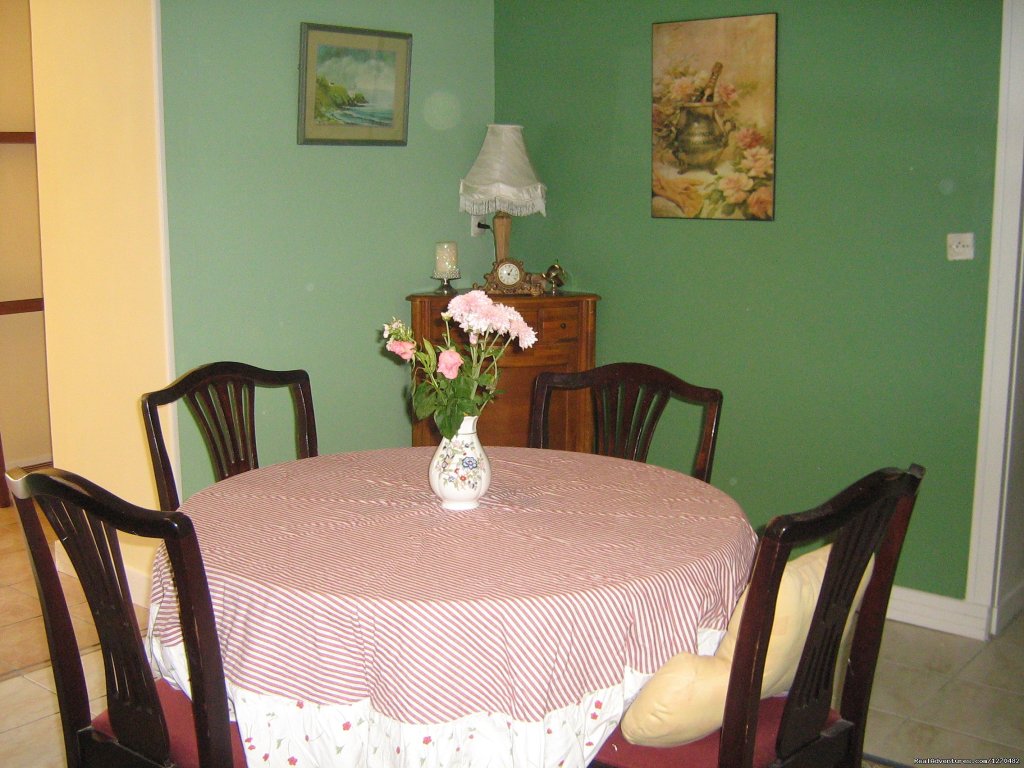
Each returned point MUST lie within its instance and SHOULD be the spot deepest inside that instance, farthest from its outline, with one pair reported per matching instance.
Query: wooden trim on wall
(17, 137)
(19, 306)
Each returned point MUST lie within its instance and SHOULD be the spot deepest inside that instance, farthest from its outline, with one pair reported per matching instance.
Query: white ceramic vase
(460, 473)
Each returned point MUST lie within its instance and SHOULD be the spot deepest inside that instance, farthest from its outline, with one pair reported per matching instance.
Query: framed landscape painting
(713, 118)
(353, 85)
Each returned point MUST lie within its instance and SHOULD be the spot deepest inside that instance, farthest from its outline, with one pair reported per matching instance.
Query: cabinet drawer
(558, 325)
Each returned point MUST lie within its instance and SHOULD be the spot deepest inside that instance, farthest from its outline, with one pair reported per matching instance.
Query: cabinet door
(565, 342)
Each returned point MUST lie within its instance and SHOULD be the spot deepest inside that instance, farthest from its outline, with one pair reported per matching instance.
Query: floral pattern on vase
(460, 473)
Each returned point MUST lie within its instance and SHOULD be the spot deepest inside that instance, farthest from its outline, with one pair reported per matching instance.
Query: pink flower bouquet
(453, 380)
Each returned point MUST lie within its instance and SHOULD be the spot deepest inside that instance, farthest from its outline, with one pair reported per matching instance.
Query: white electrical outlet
(960, 246)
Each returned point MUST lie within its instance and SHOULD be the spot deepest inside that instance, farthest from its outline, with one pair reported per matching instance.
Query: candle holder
(446, 266)
(445, 288)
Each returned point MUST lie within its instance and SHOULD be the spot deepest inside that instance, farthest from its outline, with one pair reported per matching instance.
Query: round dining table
(361, 624)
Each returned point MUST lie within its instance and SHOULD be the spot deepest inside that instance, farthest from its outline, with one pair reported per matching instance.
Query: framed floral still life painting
(353, 85)
(713, 118)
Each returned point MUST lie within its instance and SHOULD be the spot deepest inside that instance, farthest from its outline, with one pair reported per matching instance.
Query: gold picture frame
(353, 85)
(713, 118)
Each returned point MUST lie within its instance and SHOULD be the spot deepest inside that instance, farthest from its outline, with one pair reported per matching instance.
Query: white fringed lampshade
(502, 178)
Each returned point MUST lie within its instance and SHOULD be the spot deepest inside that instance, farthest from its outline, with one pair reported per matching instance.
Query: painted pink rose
(761, 203)
(448, 363)
(727, 92)
(735, 186)
(758, 161)
(749, 137)
(404, 349)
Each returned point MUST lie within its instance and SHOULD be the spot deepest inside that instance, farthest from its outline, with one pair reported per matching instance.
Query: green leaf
(429, 357)
(424, 401)
(448, 421)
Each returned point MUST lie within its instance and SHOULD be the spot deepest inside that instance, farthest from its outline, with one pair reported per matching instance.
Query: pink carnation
(448, 363)
(520, 330)
(404, 349)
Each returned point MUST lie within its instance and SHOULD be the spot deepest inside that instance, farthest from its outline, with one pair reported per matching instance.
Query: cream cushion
(685, 699)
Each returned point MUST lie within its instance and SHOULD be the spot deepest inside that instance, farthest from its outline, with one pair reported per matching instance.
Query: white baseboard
(945, 614)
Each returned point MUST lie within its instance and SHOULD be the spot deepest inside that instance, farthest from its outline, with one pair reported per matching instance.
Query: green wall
(288, 255)
(842, 337)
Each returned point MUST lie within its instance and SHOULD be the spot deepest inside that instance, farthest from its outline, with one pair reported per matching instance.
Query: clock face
(509, 273)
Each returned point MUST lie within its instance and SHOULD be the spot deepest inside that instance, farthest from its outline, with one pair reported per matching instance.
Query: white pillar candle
(446, 257)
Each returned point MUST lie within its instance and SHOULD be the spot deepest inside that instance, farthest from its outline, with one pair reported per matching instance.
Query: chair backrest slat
(221, 398)
(628, 401)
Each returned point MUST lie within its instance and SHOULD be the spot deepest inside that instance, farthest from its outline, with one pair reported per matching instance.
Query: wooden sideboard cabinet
(566, 326)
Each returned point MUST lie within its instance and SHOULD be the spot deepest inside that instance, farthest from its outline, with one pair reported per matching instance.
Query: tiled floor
(936, 695)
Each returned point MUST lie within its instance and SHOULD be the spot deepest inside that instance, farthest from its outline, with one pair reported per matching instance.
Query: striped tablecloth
(362, 624)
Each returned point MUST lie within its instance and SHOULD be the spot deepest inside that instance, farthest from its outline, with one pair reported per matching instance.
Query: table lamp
(502, 181)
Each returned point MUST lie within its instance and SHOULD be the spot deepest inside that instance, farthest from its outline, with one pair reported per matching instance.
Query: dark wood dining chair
(221, 398)
(628, 401)
(147, 722)
(801, 728)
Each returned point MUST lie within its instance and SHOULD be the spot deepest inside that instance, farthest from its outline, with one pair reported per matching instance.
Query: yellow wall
(103, 234)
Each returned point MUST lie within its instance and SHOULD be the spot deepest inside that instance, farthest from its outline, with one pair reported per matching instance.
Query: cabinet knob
(563, 326)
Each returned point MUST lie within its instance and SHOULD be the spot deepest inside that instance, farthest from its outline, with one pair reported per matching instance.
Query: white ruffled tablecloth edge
(281, 733)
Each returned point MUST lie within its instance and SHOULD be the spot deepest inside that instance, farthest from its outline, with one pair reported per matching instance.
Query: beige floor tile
(8, 514)
(24, 703)
(920, 740)
(926, 649)
(85, 632)
(881, 725)
(12, 539)
(24, 645)
(1014, 633)
(1000, 664)
(73, 594)
(14, 567)
(987, 713)
(38, 744)
(92, 666)
(16, 606)
(902, 690)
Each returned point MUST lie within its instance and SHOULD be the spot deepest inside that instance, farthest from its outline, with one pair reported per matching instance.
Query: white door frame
(1001, 331)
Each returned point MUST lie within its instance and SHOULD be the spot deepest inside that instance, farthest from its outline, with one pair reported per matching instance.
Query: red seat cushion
(702, 753)
(182, 728)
